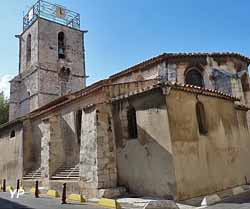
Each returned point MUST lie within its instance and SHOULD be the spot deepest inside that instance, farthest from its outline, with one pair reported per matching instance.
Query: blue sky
(125, 32)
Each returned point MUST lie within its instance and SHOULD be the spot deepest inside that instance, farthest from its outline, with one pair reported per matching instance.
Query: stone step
(64, 177)
(38, 176)
(35, 172)
(67, 172)
(68, 169)
(26, 178)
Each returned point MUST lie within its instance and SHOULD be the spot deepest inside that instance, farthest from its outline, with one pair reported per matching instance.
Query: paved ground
(238, 202)
(28, 202)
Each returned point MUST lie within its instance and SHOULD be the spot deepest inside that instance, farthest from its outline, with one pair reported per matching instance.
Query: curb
(210, 200)
(216, 197)
(53, 193)
(33, 189)
(8, 188)
(109, 203)
(161, 204)
(237, 190)
(76, 197)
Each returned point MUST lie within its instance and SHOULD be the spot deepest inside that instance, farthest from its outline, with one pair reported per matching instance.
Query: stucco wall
(213, 162)
(11, 154)
(144, 74)
(145, 164)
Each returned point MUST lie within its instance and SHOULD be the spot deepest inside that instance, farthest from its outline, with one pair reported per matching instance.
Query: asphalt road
(29, 202)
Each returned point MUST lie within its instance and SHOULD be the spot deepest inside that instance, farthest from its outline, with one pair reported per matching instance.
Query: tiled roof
(203, 91)
(182, 87)
(158, 59)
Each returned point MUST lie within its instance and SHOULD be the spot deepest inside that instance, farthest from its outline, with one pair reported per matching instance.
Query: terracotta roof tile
(200, 90)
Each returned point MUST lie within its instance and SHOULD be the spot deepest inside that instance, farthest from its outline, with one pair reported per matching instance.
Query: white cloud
(5, 85)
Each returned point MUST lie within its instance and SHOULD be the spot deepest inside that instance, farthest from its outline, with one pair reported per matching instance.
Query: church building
(174, 126)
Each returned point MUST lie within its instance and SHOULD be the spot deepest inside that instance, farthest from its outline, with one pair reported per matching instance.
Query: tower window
(61, 45)
(194, 77)
(132, 123)
(28, 49)
(201, 118)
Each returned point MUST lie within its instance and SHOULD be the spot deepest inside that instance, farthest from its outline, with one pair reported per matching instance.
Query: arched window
(132, 123)
(28, 49)
(78, 125)
(194, 77)
(201, 118)
(12, 134)
(61, 45)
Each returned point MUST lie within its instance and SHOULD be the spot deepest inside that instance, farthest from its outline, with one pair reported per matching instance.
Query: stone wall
(34, 32)
(88, 153)
(39, 81)
(212, 162)
(106, 149)
(97, 156)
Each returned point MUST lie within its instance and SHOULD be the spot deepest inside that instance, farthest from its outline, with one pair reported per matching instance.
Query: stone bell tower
(51, 58)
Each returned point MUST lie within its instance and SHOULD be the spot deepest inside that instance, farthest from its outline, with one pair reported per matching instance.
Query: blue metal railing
(53, 12)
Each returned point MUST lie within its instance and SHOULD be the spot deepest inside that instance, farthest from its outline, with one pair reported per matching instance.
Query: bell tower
(51, 58)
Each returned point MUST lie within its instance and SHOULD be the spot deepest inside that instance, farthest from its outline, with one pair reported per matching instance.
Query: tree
(4, 109)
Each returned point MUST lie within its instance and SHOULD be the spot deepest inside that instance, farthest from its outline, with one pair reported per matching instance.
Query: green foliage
(4, 109)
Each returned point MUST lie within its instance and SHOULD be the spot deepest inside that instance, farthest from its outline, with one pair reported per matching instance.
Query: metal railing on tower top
(53, 12)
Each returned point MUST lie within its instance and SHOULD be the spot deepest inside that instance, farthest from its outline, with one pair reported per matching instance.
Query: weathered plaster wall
(213, 162)
(144, 74)
(145, 164)
(11, 160)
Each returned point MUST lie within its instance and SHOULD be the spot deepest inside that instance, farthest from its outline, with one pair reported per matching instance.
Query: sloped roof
(160, 58)
(181, 87)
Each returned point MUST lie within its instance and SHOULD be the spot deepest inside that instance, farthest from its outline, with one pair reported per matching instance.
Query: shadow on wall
(32, 147)
(145, 167)
(71, 144)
